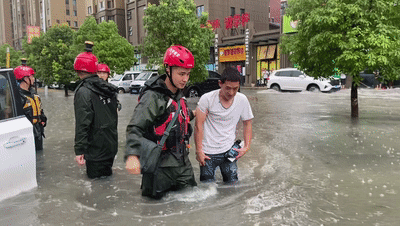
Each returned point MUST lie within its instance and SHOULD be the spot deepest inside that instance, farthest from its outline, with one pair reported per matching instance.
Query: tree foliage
(351, 35)
(15, 56)
(174, 22)
(52, 55)
(109, 46)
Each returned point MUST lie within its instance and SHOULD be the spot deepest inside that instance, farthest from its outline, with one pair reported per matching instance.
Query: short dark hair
(230, 74)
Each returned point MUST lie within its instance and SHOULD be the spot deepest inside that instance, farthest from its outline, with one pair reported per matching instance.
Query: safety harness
(35, 104)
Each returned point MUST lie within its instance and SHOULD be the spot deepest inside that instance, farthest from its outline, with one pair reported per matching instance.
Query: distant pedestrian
(266, 75)
(217, 116)
(31, 102)
(95, 104)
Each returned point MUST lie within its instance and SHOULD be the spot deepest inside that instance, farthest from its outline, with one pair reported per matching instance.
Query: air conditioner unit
(130, 29)
(129, 17)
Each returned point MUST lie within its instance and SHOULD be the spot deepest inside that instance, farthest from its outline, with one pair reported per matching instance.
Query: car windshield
(116, 78)
(143, 76)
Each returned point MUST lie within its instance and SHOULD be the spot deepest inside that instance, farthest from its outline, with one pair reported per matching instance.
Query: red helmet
(23, 71)
(179, 56)
(86, 62)
(103, 68)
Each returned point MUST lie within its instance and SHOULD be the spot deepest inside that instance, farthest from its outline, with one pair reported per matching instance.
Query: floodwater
(309, 164)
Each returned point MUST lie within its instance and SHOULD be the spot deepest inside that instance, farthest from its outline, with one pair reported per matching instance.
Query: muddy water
(309, 164)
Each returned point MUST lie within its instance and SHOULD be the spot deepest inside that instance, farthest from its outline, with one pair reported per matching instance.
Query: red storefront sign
(236, 20)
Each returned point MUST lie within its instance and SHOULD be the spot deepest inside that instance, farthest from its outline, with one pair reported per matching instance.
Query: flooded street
(309, 164)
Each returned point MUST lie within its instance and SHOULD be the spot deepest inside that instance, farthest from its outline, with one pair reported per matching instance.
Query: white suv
(295, 80)
(17, 149)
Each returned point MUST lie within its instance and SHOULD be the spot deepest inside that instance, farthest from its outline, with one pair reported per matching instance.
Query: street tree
(174, 22)
(15, 56)
(348, 35)
(52, 56)
(109, 47)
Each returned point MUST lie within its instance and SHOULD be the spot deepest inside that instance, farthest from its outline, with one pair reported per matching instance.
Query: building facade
(5, 23)
(108, 10)
(243, 38)
(53, 12)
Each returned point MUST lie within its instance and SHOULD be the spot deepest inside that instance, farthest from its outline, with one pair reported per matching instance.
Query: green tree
(109, 46)
(175, 22)
(52, 56)
(350, 35)
(15, 56)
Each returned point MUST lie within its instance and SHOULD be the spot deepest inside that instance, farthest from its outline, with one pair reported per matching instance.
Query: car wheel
(275, 87)
(313, 88)
(193, 92)
(120, 90)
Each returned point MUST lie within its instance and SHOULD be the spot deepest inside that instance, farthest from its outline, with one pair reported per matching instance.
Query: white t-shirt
(220, 124)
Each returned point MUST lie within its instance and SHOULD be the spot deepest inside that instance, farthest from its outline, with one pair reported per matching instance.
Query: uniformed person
(95, 104)
(31, 101)
(159, 103)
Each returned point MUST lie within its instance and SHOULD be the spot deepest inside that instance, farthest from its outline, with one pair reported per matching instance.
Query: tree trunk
(66, 90)
(354, 100)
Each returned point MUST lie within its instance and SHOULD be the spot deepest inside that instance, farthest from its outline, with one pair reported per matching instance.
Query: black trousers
(96, 169)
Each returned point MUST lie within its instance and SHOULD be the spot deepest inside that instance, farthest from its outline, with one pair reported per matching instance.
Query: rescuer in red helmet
(95, 104)
(103, 71)
(159, 131)
(31, 101)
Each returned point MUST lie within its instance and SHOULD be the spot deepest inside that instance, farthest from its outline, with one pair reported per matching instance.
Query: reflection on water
(309, 165)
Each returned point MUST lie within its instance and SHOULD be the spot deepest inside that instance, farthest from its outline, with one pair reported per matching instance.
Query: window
(66, 2)
(58, 21)
(102, 19)
(48, 23)
(283, 73)
(67, 12)
(75, 13)
(129, 15)
(6, 102)
(69, 23)
(74, 2)
(75, 23)
(110, 18)
(199, 10)
(296, 73)
(89, 10)
(242, 11)
(233, 11)
(110, 4)
(101, 6)
(127, 77)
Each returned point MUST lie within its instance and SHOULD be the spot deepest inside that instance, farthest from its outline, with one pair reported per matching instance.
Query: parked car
(295, 80)
(17, 149)
(198, 89)
(124, 81)
(138, 83)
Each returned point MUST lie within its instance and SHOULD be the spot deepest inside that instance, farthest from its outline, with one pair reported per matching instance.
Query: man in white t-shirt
(217, 115)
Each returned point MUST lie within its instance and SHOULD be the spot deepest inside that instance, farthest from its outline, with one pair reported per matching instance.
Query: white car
(124, 81)
(295, 80)
(138, 83)
(17, 144)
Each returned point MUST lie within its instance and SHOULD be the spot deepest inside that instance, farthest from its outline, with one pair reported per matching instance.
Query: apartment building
(53, 12)
(5, 23)
(108, 10)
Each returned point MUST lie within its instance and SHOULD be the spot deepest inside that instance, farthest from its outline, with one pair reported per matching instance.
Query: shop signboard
(289, 26)
(232, 53)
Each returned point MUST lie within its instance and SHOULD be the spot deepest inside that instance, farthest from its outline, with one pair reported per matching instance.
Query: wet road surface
(309, 164)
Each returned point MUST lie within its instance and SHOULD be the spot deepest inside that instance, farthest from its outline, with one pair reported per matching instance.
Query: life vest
(179, 134)
(35, 104)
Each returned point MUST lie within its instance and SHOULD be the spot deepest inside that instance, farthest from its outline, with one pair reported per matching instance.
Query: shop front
(233, 56)
(268, 60)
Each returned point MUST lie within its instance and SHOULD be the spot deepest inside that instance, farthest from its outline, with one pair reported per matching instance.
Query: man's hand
(133, 165)
(201, 158)
(80, 159)
(241, 151)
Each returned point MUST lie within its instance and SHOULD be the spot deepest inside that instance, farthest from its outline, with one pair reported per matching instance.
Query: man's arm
(247, 134)
(198, 136)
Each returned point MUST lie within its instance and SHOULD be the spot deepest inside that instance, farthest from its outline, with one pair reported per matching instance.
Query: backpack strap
(171, 123)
